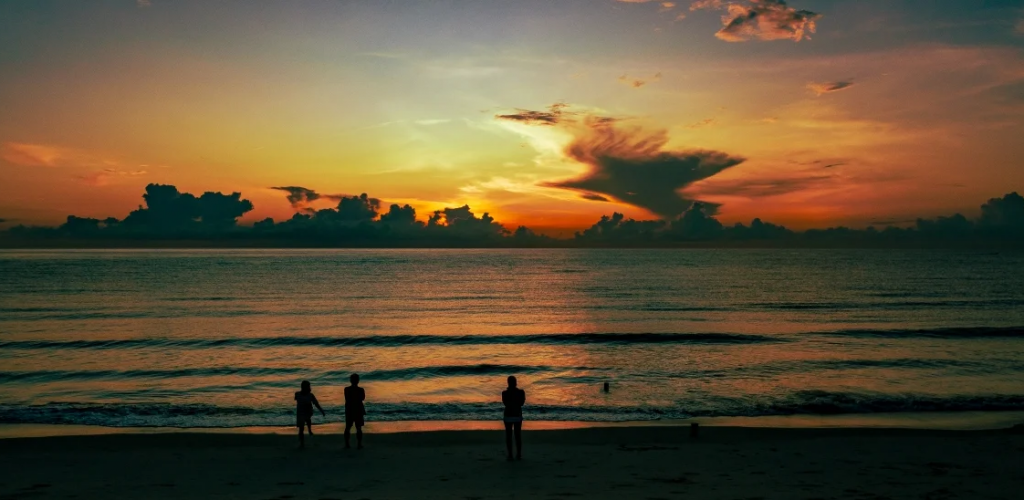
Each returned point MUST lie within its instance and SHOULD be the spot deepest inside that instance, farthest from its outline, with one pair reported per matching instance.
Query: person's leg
(359, 435)
(348, 433)
(309, 425)
(519, 440)
(508, 439)
(302, 438)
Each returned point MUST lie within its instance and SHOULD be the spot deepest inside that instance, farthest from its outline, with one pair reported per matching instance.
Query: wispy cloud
(821, 88)
(48, 155)
(432, 121)
(143, 3)
(51, 156)
(707, 122)
(103, 177)
(555, 114)
(637, 82)
(762, 187)
(663, 6)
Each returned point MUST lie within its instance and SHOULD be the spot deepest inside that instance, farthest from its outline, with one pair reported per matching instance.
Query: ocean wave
(809, 402)
(400, 341)
(419, 372)
(895, 304)
(941, 333)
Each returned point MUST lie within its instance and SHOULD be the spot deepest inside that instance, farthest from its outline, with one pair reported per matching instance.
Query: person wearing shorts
(354, 411)
(513, 398)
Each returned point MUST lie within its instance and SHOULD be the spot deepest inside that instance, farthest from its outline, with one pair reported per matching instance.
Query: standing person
(304, 401)
(513, 398)
(354, 411)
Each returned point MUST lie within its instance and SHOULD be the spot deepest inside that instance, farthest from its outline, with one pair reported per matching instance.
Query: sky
(545, 113)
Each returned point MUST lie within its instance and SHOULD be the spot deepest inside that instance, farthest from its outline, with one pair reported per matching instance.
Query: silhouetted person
(606, 387)
(304, 402)
(513, 398)
(354, 411)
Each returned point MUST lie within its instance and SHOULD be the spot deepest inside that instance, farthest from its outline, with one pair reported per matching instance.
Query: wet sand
(611, 462)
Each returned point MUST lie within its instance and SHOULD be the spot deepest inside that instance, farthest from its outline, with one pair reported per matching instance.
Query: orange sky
(879, 114)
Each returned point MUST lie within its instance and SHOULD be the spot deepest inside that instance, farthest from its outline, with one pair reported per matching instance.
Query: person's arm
(522, 397)
(504, 398)
(317, 403)
(362, 395)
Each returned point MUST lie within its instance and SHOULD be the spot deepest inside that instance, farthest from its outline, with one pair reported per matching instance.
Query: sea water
(222, 338)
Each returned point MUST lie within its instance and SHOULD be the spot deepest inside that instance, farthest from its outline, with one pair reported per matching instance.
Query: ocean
(222, 338)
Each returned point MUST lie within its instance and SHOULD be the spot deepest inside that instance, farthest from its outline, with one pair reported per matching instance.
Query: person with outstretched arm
(513, 398)
(304, 402)
(354, 411)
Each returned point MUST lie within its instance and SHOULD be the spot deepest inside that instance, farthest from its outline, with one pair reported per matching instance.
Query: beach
(600, 462)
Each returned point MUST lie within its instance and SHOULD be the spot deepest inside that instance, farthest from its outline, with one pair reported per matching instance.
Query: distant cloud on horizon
(821, 88)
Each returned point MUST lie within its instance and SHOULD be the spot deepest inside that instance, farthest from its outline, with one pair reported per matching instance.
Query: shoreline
(946, 421)
(596, 463)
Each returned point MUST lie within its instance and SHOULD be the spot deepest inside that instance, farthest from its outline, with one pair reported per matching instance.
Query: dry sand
(617, 462)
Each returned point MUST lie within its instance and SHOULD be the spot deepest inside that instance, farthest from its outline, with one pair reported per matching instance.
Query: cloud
(48, 155)
(103, 177)
(638, 82)
(169, 214)
(1006, 212)
(593, 197)
(706, 5)
(761, 19)
(821, 88)
(554, 115)
(629, 165)
(428, 122)
(143, 3)
(759, 188)
(299, 196)
(37, 155)
(707, 122)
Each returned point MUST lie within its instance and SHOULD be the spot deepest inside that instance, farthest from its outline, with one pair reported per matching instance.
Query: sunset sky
(547, 113)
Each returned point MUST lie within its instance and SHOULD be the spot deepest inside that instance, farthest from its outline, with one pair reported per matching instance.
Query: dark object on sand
(606, 387)
(694, 429)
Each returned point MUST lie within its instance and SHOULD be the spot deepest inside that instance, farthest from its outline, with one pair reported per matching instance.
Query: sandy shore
(614, 462)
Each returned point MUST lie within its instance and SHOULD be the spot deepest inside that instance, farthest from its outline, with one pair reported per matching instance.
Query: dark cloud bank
(172, 218)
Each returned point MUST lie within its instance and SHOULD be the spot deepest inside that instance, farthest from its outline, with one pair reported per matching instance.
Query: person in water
(354, 411)
(304, 402)
(513, 398)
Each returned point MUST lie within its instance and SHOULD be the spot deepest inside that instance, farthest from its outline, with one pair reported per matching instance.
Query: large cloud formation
(630, 165)
(761, 19)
